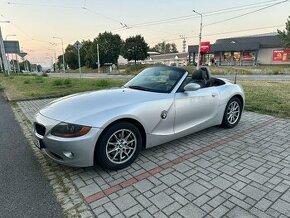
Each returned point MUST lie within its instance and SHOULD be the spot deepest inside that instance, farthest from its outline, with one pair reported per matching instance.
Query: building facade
(264, 49)
(173, 59)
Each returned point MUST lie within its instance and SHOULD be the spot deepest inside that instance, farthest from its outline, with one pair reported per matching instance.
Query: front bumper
(77, 152)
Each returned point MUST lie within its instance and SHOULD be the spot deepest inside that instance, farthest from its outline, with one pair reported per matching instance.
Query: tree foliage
(135, 48)
(86, 55)
(165, 48)
(25, 65)
(109, 47)
(71, 57)
(285, 34)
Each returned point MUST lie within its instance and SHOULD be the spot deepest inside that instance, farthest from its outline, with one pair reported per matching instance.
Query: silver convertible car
(110, 127)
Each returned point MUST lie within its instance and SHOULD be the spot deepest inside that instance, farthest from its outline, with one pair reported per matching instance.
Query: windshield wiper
(139, 88)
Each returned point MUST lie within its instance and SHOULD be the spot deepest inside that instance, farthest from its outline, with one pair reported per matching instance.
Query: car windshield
(156, 79)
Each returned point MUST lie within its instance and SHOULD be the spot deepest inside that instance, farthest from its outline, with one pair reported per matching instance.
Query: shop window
(248, 56)
(237, 56)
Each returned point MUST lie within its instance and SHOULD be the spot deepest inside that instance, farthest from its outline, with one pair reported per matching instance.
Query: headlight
(67, 130)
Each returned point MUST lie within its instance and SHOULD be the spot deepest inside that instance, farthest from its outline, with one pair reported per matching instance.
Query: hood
(72, 107)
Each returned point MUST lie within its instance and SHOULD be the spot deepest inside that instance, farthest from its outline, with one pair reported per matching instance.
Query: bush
(102, 83)
(45, 75)
(27, 81)
(276, 71)
(38, 79)
(67, 82)
(58, 82)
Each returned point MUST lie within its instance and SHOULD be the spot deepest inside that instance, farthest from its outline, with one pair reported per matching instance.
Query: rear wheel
(119, 146)
(233, 112)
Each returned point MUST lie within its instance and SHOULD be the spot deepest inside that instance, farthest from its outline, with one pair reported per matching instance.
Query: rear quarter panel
(226, 92)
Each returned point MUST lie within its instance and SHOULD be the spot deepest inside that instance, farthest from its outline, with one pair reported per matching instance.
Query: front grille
(39, 129)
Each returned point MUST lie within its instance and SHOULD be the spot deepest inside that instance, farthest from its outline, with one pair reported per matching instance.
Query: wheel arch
(130, 120)
(240, 98)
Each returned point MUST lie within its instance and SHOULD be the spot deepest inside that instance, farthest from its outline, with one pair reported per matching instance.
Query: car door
(195, 109)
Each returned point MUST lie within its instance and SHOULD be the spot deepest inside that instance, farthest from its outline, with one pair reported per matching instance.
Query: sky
(36, 22)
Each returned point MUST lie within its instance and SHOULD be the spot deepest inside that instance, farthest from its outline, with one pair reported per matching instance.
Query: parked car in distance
(110, 127)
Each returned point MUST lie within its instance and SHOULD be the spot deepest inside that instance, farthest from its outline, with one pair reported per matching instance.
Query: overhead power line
(84, 7)
(43, 5)
(102, 15)
(238, 16)
(205, 14)
(251, 12)
(28, 36)
(221, 33)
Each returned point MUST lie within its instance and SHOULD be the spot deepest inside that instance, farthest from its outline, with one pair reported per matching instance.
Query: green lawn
(247, 70)
(267, 97)
(29, 87)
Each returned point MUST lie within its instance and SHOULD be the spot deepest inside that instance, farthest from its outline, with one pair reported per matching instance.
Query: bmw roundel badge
(163, 114)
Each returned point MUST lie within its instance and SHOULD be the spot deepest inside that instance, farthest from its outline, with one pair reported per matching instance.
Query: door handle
(214, 94)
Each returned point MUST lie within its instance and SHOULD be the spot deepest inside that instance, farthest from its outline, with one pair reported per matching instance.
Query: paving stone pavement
(240, 172)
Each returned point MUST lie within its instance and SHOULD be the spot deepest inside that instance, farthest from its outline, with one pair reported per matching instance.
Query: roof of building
(169, 56)
(250, 43)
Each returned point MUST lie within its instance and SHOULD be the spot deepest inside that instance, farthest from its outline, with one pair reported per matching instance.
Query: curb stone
(70, 200)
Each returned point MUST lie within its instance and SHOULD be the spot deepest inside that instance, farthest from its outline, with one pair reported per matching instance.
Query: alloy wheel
(233, 112)
(121, 146)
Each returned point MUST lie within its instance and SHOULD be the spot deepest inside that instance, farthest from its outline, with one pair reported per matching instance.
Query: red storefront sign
(282, 55)
(204, 47)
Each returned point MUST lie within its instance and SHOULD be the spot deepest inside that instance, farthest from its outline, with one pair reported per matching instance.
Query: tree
(71, 57)
(285, 34)
(25, 66)
(109, 48)
(86, 55)
(165, 48)
(135, 48)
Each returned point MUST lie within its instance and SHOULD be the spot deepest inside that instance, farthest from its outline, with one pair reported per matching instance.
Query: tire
(232, 114)
(118, 146)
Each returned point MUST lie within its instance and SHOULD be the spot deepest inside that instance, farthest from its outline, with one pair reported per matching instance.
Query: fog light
(68, 154)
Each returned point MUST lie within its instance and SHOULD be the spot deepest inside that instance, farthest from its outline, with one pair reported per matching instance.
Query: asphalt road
(127, 77)
(24, 191)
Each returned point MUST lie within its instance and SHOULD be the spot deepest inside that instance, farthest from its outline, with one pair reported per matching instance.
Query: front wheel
(232, 114)
(119, 146)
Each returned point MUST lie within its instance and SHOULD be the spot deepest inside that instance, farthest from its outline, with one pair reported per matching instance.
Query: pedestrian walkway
(24, 191)
(239, 172)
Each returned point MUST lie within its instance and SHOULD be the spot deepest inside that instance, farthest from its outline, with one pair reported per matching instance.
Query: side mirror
(192, 87)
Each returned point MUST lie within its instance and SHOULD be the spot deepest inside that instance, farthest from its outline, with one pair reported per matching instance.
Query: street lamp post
(62, 52)
(98, 54)
(8, 61)
(199, 42)
(2, 52)
(54, 60)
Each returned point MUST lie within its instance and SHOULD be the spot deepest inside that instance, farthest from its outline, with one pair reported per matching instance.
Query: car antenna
(236, 77)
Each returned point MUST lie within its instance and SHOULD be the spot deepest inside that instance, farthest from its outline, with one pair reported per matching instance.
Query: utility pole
(62, 52)
(199, 42)
(98, 54)
(8, 61)
(2, 52)
(17, 62)
(183, 43)
(78, 46)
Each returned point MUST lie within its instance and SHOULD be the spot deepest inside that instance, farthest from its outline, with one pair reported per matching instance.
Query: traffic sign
(78, 45)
